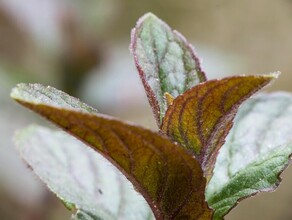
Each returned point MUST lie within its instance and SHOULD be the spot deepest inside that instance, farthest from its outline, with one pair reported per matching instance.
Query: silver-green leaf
(256, 152)
(79, 176)
(166, 62)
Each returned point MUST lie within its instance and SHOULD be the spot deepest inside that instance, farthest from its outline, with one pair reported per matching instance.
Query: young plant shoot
(214, 146)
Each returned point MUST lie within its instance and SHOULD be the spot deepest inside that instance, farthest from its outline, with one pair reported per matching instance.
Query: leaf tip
(15, 91)
(275, 75)
(148, 17)
(270, 77)
(147, 20)
(23, 91)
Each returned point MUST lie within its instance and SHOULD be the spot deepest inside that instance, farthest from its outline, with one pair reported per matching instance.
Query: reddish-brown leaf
(169, 178)
(201, 118)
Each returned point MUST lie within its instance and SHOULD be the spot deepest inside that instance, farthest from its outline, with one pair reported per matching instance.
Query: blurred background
(81, 47)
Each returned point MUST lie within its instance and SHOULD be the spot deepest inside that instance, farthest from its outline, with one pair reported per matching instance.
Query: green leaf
(169, 178)
(166, 62)
(80, 177)
(256, 152)
(260, 176)
(201, 118)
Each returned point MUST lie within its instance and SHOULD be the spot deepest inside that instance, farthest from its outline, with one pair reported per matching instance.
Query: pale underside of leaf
(257, 150)
(79, 176)
(169, 178)
(166, 62)
(201, 118)
(38, 94)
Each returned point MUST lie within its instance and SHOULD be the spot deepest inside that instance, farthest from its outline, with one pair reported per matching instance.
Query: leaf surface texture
(201, 118)
(256, 151)
(166, 62)
(169, 178)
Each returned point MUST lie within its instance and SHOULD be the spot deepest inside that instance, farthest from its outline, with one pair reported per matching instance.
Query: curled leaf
(169, 178)
(166, 62)
(201, 118)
